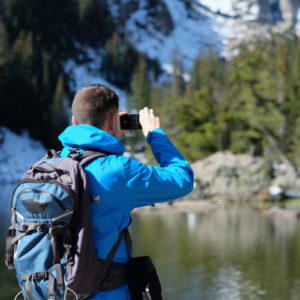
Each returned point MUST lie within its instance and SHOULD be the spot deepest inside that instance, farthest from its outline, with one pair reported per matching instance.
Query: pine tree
(3, 44)
(141, 86)
(178, 83)
(59, 108)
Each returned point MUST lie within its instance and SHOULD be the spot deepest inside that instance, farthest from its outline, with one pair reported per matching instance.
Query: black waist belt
(116, 275)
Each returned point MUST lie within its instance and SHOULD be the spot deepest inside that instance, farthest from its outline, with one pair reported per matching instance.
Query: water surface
(230, 254)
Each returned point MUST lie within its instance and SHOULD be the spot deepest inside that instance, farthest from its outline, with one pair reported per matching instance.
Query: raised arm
(145, 184)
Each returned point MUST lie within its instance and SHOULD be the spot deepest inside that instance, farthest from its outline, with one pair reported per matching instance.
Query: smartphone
(130, 122)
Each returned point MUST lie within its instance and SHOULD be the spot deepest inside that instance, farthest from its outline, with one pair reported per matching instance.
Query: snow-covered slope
(168, 29)
(188, 32)
(17, 153)
(85, 74)
(165, 30)
(175, 29)
(232, 20)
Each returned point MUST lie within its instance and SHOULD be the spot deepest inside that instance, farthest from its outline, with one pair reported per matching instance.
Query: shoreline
(206, 206)
(180, 206)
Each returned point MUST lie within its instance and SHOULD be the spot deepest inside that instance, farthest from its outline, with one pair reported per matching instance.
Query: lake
(229, 254)
(232, 253)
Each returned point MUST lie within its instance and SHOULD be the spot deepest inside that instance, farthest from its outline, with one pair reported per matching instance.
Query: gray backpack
(49, 242)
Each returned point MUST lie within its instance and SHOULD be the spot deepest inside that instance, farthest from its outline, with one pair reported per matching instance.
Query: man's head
(96, 105)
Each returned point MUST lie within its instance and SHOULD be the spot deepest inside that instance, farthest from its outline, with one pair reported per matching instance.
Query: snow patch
(88, 74)
(224, 6)
(236, 26)
(17, 154)
(185, 42)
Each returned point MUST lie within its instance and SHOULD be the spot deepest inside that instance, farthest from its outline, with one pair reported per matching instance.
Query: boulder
(286, 177)
(226, 176)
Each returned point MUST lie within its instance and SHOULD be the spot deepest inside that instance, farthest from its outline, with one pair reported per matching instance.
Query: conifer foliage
(248, 103)
(37, 40)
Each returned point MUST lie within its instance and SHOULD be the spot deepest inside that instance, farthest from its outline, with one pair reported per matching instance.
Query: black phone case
(130, 122)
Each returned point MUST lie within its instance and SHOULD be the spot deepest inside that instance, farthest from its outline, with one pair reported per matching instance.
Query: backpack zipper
(61, 205)
(66, 189)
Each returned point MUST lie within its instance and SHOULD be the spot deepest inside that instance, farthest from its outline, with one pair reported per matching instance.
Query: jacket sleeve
(146, 184)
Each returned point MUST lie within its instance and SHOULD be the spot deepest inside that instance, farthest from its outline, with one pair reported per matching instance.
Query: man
(118, 183)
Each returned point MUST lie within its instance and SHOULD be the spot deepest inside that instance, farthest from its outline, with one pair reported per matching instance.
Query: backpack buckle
(23, 227)
(75, 154)
(40, 227)
(39, 275)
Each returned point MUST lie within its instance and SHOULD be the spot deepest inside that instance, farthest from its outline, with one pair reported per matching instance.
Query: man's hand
(148, 120)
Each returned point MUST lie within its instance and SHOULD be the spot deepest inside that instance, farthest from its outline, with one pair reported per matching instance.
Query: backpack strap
(12, 239)
(10, 247)
(86, 156)
(38, 276)
(24, 228)
(55, 231)
(107, 262)
(89, 155)
(60, 234)
(20, 294)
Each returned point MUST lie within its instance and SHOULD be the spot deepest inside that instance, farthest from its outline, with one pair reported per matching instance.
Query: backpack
(49, 242)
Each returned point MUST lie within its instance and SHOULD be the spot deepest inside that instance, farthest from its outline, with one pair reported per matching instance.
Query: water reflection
(229, 254)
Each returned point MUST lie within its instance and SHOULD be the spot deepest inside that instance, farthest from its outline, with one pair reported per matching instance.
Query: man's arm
(146, 184)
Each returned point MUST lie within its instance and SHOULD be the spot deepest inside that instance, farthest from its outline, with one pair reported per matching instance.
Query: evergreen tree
(119, 61)
(96, 22)
(59, 108)
(141, 86)
(3, 44)
(178, 83)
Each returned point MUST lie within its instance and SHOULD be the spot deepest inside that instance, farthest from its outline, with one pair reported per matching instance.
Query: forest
(245, 103)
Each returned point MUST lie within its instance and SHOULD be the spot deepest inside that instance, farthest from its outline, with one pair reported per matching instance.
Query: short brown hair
(92, 104)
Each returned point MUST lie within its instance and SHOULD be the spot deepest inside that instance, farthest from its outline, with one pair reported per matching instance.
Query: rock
(224, 175)
(287, 178)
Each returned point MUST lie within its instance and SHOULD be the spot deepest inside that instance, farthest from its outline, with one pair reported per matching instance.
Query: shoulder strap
(86, 156)
(89, 155)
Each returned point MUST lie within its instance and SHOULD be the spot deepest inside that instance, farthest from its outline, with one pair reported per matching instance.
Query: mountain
(183, 29)
(165, 29)
(162, 30)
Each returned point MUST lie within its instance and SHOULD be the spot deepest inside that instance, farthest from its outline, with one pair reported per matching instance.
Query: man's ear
(111, 122)
(73, 120)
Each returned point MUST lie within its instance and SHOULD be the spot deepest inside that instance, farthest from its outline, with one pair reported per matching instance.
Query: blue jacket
(122, 184)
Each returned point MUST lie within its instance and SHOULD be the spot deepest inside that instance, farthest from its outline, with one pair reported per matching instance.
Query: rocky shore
(225, 178)
(241, 178)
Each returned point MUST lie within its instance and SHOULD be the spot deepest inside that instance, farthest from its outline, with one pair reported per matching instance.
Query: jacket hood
(89, 137)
